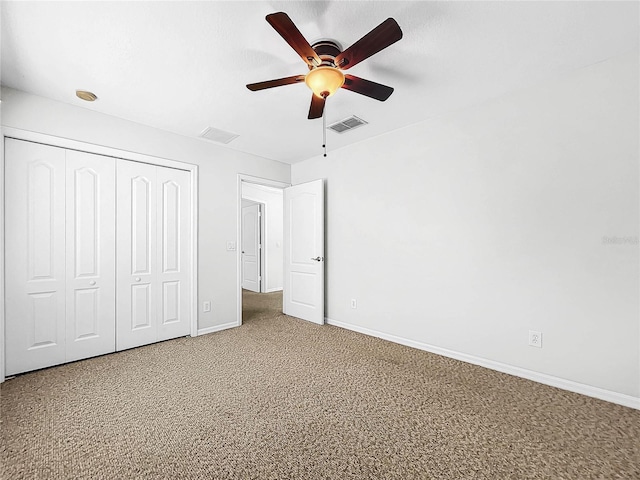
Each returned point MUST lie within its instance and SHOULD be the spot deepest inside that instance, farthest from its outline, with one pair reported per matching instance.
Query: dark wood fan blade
(275, 83)
(367, 87)
(385, 34)
(285, 27)
(317, 107)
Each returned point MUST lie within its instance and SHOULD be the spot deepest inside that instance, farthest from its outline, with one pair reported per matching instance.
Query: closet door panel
(35, 256)
(174, 252)
(90, 254)
(136, 207)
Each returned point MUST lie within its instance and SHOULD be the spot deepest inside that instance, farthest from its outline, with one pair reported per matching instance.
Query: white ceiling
(183, 66)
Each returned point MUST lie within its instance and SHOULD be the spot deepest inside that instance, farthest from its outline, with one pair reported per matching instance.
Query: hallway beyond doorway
(257, 306)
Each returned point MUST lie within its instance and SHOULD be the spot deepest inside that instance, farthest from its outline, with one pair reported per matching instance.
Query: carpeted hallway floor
(280, 398)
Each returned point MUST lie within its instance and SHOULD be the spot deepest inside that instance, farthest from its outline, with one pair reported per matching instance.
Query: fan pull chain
(324, 128)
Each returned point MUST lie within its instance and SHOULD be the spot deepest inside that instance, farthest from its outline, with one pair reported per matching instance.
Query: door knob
(92, 283)
(317, 259)
(137, 279)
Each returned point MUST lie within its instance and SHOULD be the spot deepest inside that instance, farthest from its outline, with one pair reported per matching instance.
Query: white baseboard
(216, 328)
(596, 392)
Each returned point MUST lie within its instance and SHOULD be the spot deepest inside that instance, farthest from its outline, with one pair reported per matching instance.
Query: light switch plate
(231, 246)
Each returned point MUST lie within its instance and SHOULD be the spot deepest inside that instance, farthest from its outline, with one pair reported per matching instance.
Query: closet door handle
(137, 279)
(92, 283)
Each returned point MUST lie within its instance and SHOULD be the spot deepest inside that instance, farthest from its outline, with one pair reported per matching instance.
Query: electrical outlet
(206, 306)
(535, 339)
(354, 304)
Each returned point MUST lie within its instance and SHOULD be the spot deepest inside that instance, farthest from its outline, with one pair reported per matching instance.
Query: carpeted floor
(281, 398)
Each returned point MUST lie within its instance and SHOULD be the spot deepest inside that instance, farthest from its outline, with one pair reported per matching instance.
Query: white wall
(218, 169)
(2, 233)
(464, 232)
(272, 199)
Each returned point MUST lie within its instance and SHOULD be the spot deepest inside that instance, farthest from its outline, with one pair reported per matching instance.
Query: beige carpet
(280, 398)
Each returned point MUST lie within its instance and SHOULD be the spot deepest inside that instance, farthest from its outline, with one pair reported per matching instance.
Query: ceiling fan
(326, 62)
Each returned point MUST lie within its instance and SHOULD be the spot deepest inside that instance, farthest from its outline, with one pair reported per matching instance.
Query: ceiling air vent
(217, 135)
(347, 124)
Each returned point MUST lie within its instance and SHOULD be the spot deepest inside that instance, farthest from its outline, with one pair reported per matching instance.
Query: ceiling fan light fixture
(324, 81)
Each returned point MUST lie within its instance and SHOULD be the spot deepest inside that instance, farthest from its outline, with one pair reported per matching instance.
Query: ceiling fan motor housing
(327, 50)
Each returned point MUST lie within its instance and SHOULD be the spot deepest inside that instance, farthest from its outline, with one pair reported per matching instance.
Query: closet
(98, 254)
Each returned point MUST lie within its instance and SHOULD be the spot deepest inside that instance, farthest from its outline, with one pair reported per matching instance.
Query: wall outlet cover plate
(535, 339)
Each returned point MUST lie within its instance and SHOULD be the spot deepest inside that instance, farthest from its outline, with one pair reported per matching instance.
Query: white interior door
(136, 255)
(251, 248)
(34, 256)
(90, 255)
(304, 251)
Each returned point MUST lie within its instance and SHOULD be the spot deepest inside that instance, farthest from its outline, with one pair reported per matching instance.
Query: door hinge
(259, 214)
(259, 246)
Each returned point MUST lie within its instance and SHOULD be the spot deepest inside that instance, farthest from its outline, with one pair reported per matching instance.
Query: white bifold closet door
(60, 255)
(90, 255)
(67, 297)
(154, 254)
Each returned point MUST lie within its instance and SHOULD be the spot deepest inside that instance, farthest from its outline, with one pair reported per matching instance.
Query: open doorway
(260, 252)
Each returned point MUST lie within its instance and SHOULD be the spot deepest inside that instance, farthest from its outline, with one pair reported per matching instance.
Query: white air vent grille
(347, 124)
(216, 135)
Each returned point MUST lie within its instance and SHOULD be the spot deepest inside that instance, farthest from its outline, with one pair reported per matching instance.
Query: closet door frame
(19, 134)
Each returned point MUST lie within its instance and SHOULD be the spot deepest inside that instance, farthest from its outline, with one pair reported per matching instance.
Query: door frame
(258, 181)
(62, 142)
